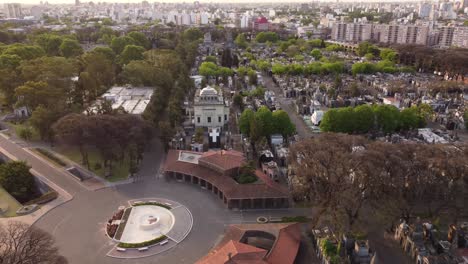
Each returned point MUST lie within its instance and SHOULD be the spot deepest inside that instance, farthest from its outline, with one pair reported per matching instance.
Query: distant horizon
(36, 2)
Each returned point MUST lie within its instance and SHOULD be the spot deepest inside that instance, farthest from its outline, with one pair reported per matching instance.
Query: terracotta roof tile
(230, 188)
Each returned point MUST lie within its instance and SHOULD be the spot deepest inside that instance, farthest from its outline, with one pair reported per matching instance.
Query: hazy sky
(166, 1)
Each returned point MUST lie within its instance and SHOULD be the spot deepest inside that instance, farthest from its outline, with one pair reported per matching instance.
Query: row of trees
(348, 176)
(312, 68)
(385, 66)
(263, 123)
(366, 118)
(114, 136)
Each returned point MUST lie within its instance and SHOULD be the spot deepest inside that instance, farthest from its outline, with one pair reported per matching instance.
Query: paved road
(78, 225)
(62, 179)
(286, 104)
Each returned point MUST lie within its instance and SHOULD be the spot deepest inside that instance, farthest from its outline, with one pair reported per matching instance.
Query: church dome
(208, 91)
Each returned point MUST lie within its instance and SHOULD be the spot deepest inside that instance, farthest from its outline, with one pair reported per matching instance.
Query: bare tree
(24, 244)
(343, 174)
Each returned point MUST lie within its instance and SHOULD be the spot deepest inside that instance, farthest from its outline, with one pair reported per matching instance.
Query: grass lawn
(120, 170)
(13, 205)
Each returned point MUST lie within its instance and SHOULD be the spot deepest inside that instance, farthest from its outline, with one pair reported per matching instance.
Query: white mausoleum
(209, 108)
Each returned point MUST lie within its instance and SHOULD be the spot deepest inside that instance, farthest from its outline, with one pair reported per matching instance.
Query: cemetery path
(286, 104)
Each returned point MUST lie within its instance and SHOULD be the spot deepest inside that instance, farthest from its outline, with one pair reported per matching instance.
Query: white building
(13, 10)
(209, 108)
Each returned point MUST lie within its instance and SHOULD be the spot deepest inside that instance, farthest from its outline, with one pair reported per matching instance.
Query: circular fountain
(148, 222)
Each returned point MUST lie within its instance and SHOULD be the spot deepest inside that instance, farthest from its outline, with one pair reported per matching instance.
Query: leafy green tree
(118, 44)
(245, 120)
(409, 118)
(25, 52)
(16, 179)
(425, 113)
(387, 117)
(8, 61)
(389, 54)
(363, 68)
(369, 56)
(282, 123)
(42, 119)
(32, 94)
(192, 34)
(208, 69)
(264, 119)
(131, 53)
(241, 41)
(140, 39)
(364, 118)
(106, 51)
(50, 43)
(316, 54)
(263, 37)
(70, 48)
(238, 101)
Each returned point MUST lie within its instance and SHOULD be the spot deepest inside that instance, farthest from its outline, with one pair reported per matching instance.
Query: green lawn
(13, 205)
(120, 170)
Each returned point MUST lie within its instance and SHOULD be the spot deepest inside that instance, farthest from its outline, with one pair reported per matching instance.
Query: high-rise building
(424, 10)
(460, 37)
(13, 10)
(339, 31)
(77, 2)
(446, 36)
(386, 33)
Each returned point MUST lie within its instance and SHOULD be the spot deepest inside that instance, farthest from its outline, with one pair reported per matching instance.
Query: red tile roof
(240, 253)
(284, 250)
(223, 160)
(230, 188)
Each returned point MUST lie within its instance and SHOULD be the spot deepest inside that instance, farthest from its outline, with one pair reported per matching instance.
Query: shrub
(154, 203)
(143, 244)
(24, 132)
(45, 198)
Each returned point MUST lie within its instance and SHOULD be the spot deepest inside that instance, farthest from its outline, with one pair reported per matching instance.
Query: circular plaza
(147, 227)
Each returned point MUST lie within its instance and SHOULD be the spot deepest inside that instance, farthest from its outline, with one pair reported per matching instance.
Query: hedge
(153, 203)
(45, 198)
(51, 156)
(142, 244)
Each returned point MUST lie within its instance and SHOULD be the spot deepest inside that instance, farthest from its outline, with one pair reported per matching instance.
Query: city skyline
(33, 2)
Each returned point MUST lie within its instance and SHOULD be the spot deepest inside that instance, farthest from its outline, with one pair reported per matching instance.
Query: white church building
(209, 108)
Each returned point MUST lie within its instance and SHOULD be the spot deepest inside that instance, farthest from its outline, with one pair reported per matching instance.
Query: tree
(282, 124)
(409, 118)
(24, 132)
(387, 117)
(192, 34)
(50, 43)
(140, 39)
(389, 54)
(131, 53)
(264, 120)
(245, 120)
(42, 119)
(16, 179)
(70, 48)
(25, 52)
(33, 94)
(118, 44)
(22, 244)
(316, 54)
(364, 118)
(238, 101)
(263, 37)
(241, 41)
